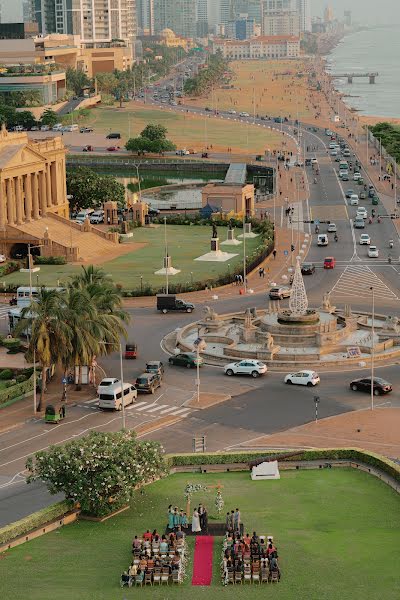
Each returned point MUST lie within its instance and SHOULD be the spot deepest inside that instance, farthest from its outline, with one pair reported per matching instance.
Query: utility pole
(372, 347)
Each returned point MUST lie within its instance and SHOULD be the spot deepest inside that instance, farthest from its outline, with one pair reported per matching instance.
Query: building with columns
(33, 202)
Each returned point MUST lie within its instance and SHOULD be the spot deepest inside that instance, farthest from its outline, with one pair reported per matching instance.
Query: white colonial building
(263, 47)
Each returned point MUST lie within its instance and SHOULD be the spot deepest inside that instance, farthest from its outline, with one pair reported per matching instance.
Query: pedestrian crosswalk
(357, 280)
(4, 311)
(150, 408)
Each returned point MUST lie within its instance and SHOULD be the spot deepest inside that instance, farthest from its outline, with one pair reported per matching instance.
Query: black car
(113, 136)
(148, 382)
(307, 268)
(381, 386)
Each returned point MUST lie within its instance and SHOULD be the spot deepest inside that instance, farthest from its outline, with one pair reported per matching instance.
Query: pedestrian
(274, 253)
(263, 272)
(260, 272)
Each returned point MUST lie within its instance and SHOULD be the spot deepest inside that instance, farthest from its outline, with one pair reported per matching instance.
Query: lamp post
(166, 261)
(122, 379)
(33, 324)
(244, 252)
(316, 401)
(199, 345)
(191, 278)
(372, 347)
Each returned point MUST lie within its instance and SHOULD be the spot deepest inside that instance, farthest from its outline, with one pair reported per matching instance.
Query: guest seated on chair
(147, 536)
(163, 545)
(179, 533)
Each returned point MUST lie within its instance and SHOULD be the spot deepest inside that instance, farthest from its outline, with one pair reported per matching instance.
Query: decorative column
(54, 189)
(35, 188)
(3, 202)
(48, 187)
(10, 212)
(42, 193)
(18, 199)
(298, 302)
(28, 197)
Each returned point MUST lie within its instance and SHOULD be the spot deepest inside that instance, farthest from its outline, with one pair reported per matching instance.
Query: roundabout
(297, 337)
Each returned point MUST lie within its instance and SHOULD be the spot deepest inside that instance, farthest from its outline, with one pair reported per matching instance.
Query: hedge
(50, 260)
(19, 389)
(33, 521)
(369, 458)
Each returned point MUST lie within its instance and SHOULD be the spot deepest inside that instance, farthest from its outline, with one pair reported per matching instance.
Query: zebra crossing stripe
(182, 410)
(171, 408)
(139, 404)
(157, 408)
(356, 280)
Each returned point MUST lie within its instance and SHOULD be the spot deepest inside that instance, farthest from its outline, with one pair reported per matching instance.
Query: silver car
(278, 293)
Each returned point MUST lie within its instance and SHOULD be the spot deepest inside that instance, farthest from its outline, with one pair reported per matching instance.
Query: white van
(71, 128)
(322, 239)
(111, 397)
(353, 200)
(57, 127)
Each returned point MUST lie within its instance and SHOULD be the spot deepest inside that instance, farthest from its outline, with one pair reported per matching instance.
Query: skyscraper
(304, 10)
(95, 22)
(145, 15)
(178, 15)
(280, 17)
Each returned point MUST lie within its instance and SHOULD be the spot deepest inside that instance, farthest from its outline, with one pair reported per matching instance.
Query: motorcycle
(335, 237)
(316, 229)
(315, 180)
(391, 243)
(379, 219)
(373, 212)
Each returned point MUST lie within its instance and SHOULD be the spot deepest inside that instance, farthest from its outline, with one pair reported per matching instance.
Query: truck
(169, 302)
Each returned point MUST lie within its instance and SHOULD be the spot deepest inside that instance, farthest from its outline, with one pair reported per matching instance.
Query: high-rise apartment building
(280, 18)
(145, 16)
(178, 15)
(96, 21)
(251, 8)
(304, 10)
(328, 14)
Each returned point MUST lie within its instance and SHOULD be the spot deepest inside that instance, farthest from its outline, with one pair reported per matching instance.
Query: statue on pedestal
(214, 232)
(326, 303)
(269, 341)
(210, 314)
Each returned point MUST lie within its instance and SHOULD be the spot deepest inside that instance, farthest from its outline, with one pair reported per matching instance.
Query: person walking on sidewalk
(274, 253)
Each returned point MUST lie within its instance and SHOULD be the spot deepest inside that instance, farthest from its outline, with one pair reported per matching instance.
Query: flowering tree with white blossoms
(100, 470)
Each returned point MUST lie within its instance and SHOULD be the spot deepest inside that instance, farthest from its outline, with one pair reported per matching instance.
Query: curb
(146, 428)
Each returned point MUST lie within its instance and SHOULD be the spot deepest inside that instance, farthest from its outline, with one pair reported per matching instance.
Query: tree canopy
(217, 71)
(390, 136)
(152, 139)
(49, 117)
(77, 80)
(90, 190)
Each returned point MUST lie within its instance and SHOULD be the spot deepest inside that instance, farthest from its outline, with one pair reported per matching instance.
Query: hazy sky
(364, 11)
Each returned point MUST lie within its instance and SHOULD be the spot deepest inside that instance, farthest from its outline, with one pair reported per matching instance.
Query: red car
(329, 262)
(113, 148)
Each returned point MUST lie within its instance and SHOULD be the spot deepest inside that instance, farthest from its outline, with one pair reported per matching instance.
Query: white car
(308, 378)
(314, 161)
(353, 200)
(365, 239)
(232, 112)
(105, 383)
(244, 114)
(2, 258)
(255, 368)
(332, 228)
(362, 212)
(356, 176)
(373, 252)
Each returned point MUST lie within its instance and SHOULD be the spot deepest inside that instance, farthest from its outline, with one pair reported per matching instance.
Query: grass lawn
(185, 130)
(337, 533)
(273, 84)
(185, 243)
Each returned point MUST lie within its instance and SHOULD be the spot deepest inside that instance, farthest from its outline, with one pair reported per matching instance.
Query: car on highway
(342, 173)
(334, 152)
(380, 386)
(244, 114)
(248, 366)
(279, 293)
(356, 176)
(364, 239)
(307, 269)
(305, 377)
(232, 112)
(322, 239)
(329, 262)
(86, 130)
(362, 195)
(182, 152)
(353, 200)
(349, 193)
(148, 382)
(373, 252)
(362, 212)
(359, 223)
(345, 177)
(186, 359)
(113, 148)
(113, 136)
(332, 228)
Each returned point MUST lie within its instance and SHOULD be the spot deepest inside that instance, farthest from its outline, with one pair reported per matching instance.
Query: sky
(370, 12)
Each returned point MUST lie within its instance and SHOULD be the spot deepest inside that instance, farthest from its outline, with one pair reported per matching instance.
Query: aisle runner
(203, 560)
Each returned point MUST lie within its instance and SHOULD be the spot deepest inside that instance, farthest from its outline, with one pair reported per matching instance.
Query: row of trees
(216, 72)
(70, 327)
(11, 117)
(153, 139)
(390, 136)
(91, 190)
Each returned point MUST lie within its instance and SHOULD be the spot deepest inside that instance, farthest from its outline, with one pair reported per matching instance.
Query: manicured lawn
(185, 130)
(337, 533)
(185, 243)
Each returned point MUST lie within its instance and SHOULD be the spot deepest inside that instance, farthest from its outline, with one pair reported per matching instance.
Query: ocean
(376, 49)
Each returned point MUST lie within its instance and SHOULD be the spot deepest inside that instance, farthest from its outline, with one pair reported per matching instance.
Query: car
(244, 114)
(86, 130)
(307, 269)
(349, 193)
(153, 212)
(345, 177)
(314, 161)
(113, 148)
(232, 112)
(45, 128)
(328, 132)
(113, 136)
(334, 152)
(106, 382)
(362, 212)
(97, 217)
(183, 152)
(342, 173)
(186, 359)
(279, 293)
(364, 239)
(362, 195)
(306, 377)
(332, 228)
(322, 239)
(3, 258)
(87, 148)
(380, 386)
(148, 382)
(373, 252)
(332, 146)
(356, 176)
(35, 128)
(208, 109)
(359, 223)
(155, 366)
(255, 368)
(354, 200)
(329, 262)
(338, 159)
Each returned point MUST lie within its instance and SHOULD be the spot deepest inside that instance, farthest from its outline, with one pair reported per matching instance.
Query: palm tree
(50, 334)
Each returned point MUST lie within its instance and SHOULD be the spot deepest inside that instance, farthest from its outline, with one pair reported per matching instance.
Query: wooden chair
(157, 575)
(247, 575)
(165, 576)
(231, 577)
(256, 576)
(274, 576)
(264, 575)
(176, 576)
(148, 578)
(238, 577)
(139, 579)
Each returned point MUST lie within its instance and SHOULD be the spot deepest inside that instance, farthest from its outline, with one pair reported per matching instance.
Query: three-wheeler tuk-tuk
(54, 414)
(131, 351)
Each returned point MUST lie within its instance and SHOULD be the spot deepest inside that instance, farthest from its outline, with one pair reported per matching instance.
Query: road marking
(356, 280)
(181, 410)
(157, 408)
(167, 410)
(91, 401)
(136, 404)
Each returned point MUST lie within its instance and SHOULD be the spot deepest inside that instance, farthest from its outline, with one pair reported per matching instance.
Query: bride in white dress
(196, 521)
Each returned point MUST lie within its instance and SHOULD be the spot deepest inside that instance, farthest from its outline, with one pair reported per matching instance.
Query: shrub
(6, 374)
(37, 519)
(50, 260)
(15, 391)
(20, 378)
(8, 268)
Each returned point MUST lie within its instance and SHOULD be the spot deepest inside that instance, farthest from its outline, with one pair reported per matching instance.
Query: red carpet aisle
(203, 560)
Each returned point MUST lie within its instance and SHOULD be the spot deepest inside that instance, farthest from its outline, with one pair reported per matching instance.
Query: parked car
(365, 239)
(255, 368)
(97, 217)
(279, 293)
(307, 269)
(332, 228)
(113, 136)
(380, 386)
(86, 130)
(373, 252)
(329, 262)
(244, 114)
(155, 366)
(306, 377)
(148, 382)
(185, 359)
(45, 128)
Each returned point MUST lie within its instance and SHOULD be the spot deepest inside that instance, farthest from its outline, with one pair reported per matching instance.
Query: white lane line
(143, 407)
(136, 404)
(157, 408)
(91, 401)
(182, 410)
(167, 410)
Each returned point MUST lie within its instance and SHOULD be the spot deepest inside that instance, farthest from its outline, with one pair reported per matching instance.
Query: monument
(167, 269)
(215, 254)
(247, 232)
(230, 239)
(265, 470)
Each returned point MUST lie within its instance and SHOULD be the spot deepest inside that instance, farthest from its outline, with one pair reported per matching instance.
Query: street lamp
(191, 278)
(122, 379)
(372, 347)
(316, 401)
(199, 346)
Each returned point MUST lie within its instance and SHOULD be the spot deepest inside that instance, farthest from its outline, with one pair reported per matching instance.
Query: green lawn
(185, 130)
(185, 243)
(337, 533)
